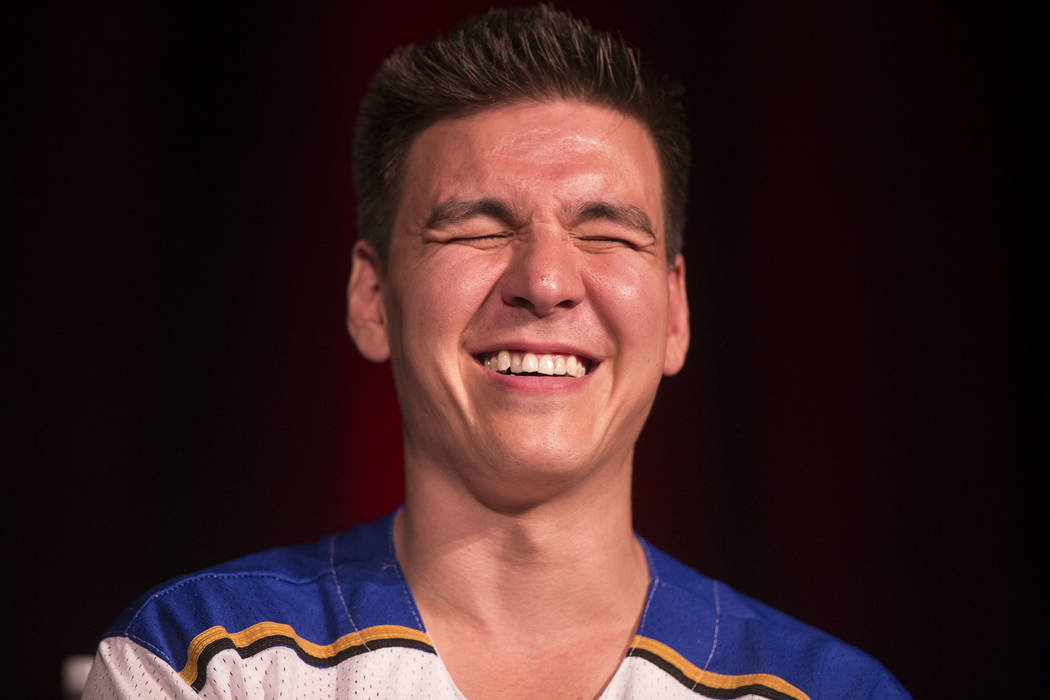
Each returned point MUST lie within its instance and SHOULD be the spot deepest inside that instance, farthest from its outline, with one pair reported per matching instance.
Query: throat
(505, 662)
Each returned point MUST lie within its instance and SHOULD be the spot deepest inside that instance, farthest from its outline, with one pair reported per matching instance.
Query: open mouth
(532, 364)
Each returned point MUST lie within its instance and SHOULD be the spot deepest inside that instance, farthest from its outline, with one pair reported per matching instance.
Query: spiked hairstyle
(508, 56)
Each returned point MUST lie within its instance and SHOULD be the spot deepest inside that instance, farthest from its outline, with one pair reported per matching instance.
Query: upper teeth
(541, 363)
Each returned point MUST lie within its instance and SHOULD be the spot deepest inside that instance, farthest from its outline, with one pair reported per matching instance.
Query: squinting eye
(609, 241)
(484, 241)
(458, 239)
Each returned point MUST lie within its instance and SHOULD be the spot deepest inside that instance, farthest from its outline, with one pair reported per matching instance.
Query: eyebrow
(624, 214)
(453, 211)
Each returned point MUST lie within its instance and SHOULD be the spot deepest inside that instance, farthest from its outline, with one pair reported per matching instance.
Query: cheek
(446, 291)
(632, 301)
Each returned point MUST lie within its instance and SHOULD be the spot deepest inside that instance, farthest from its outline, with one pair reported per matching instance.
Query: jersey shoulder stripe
(725, 644)
(709, 683)
(265, 635)
(342, 590)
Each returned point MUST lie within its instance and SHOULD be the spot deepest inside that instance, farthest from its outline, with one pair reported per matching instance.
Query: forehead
(534, 154)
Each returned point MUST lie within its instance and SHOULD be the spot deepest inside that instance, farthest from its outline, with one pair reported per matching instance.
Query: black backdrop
(853, 439)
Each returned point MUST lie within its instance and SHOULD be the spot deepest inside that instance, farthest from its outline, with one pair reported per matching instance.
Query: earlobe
(677, 318)
(365, 313)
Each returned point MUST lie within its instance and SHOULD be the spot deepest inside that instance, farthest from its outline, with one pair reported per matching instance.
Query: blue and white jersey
(336, 619)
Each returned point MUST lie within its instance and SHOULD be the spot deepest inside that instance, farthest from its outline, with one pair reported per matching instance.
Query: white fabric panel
(123, 669)
(638, 679)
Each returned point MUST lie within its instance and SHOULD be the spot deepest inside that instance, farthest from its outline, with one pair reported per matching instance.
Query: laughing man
(521, 188)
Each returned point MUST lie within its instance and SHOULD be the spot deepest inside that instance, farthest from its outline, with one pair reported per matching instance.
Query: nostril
(526, 303)
(520, 301)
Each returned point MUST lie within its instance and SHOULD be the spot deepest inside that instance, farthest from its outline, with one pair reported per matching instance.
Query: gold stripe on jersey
(710, 679)
(264, 631)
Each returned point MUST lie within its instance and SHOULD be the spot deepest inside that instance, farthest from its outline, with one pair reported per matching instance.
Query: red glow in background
(853, 438)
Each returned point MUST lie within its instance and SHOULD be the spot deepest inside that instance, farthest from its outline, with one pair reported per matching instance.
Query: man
(521, 188)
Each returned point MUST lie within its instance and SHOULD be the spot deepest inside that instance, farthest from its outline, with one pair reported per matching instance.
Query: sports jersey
(336, 619)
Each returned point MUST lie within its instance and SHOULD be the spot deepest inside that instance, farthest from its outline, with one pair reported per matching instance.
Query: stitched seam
(714, 641)
(171, 589)
(339, 589)
(199, 577)
(152, 647)
(409, 600)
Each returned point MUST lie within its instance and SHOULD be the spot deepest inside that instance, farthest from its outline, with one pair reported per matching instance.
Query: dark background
(854, 437)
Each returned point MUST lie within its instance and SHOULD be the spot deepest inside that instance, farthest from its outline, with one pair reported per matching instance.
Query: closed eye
(476, 238)
(480, 241)
(613, 241)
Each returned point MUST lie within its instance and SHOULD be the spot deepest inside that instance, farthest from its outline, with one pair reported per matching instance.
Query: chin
(516, 480)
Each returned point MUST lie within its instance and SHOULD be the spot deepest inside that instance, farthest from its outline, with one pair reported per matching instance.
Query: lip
(535, 384)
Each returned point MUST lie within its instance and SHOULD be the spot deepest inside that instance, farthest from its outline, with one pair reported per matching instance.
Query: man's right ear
(365, 314)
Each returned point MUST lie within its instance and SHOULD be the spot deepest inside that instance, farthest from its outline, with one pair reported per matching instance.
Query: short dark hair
(507, 56)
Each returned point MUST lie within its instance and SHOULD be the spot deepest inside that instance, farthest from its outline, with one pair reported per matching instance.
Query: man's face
(531, 233)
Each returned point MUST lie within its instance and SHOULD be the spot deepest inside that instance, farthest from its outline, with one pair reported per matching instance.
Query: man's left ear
(677, 318)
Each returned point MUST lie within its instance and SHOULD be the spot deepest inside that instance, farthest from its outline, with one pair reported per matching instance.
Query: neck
(570, 559)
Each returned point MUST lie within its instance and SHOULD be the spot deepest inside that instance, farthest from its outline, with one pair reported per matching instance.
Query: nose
(543, 274)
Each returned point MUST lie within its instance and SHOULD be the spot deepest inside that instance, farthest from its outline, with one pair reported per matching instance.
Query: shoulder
(312, 620)
(292, 593)
(705, 631)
